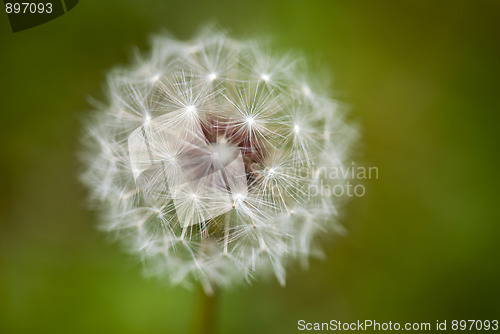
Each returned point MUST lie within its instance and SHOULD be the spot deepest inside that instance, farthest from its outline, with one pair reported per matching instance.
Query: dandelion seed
(306, 90)
(191, 109)
(212, 76)
(155, 78)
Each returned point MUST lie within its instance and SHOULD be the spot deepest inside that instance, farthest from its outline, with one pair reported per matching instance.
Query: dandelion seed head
(306, 90)
(213, 180)
(212, 76)
(191, 109)
(155, 78)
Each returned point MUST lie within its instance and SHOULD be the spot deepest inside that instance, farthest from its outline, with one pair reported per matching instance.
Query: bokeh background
(422, 79)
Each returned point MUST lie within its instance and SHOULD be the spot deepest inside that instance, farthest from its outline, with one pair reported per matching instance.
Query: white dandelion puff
(204, 157)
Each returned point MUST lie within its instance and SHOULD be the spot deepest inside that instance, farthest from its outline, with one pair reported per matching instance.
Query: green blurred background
(423, 80)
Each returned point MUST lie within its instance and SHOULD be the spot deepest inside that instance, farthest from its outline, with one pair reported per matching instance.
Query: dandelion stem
(205, 315)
